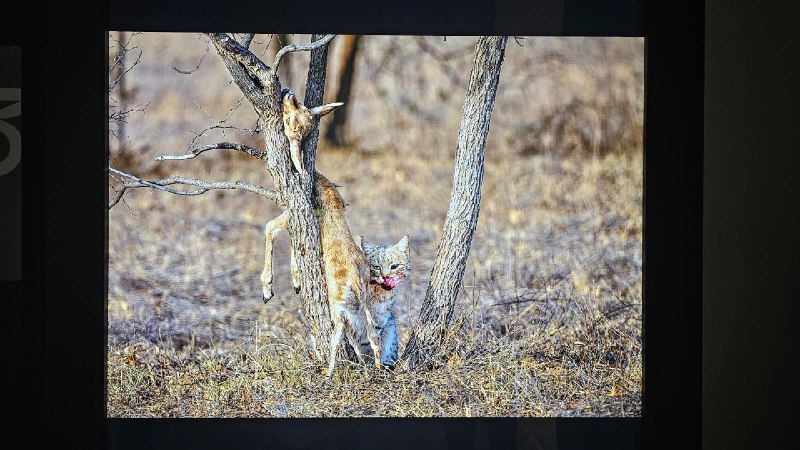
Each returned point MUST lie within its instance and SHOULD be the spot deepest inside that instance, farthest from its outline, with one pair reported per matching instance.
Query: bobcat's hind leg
(389, 343)
(270, 230)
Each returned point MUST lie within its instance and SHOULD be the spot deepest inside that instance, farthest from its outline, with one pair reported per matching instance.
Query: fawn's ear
(320, 111)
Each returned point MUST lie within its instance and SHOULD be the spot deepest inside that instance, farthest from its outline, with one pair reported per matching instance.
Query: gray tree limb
(254, 152)
(257, 81)
(262, 87)
(205, 186)
(247, 39)
(319, 42)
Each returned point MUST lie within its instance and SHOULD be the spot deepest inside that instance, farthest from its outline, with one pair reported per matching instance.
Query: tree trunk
(314, 96)
(262, 87)
(285, 70)
(123, 94)
(462, 215)
(335, 133)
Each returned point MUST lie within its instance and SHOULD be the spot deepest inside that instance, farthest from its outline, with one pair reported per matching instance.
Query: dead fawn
(299, 122)
(346, 270)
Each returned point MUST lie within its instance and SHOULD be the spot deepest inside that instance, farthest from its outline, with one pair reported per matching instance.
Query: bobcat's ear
(365, 243)
(402, 245)
(320, 111)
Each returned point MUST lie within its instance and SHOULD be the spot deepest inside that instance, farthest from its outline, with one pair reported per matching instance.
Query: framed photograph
(467, 218)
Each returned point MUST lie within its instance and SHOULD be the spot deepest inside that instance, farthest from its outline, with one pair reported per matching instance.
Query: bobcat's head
(388, 264)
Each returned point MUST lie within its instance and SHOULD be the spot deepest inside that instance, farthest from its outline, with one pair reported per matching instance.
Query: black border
(751, 219)
(65, 64)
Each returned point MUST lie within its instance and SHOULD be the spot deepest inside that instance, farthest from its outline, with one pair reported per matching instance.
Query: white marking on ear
(320, 111)
(402, 245)
(365, 243)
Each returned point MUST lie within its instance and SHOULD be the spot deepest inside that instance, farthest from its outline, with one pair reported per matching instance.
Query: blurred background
(559, 237)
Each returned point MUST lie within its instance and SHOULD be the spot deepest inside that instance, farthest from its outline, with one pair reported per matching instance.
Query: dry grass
(550, 313)
(596, 372)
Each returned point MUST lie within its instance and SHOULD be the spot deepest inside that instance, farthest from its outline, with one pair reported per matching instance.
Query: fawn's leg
(375, 342)
(355, 342)
(270, 230)
(336, 338)
(374, 336)
(295, 274)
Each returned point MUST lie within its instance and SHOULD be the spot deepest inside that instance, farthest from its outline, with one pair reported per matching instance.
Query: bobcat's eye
(394, 266)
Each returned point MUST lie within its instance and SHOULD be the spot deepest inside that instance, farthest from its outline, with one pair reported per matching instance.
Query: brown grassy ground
(550, 314)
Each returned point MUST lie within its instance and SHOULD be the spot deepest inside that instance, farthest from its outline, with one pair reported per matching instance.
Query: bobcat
(389, 265)
(298, 123)
(346, 268)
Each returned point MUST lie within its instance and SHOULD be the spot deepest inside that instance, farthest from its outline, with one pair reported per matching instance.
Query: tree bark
(285, 70)
(314, 96)
(431, 327)
(335, 133)
(123, 94)
(261, 86)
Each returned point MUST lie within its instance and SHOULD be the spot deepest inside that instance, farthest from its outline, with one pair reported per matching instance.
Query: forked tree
(294, 193)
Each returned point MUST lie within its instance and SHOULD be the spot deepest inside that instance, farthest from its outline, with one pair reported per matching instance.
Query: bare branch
(122, 49)
(260, 154)
(189, 72)
(218, 124)
(250, 73)
(247, 39)
(124, 70)
(300, 48)
(204, 186)
(244, 56)
(121, 115)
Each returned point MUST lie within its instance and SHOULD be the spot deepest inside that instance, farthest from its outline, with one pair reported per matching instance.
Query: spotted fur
(389, 266)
